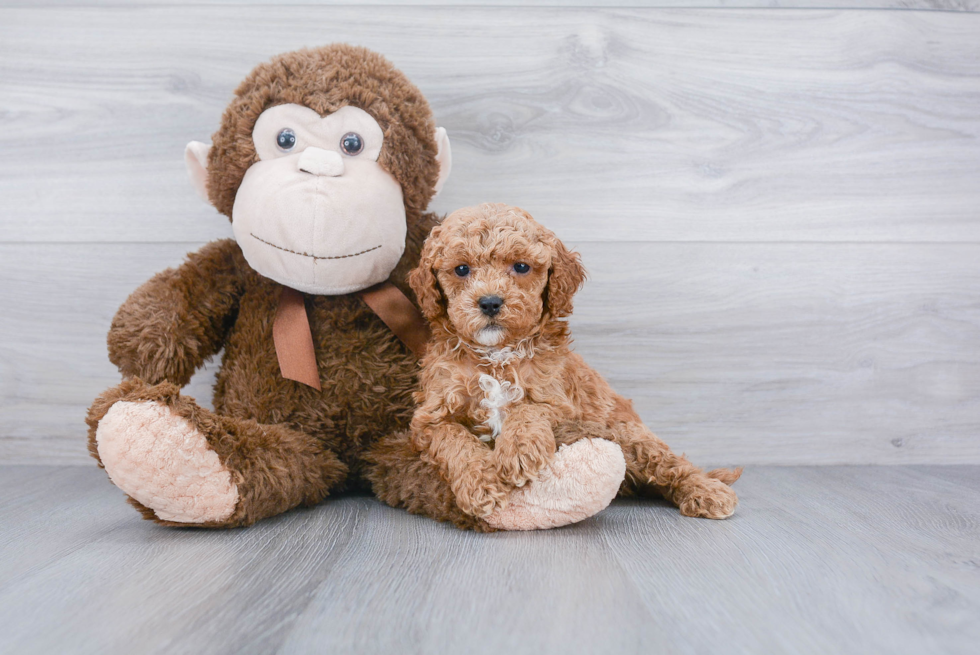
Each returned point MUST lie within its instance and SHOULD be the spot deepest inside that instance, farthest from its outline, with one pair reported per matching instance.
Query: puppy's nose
(321, 162)
(490, 305)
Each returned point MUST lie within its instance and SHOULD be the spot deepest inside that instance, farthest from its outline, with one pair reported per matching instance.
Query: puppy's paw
(478, 495)
(518, 461)
(707, 498)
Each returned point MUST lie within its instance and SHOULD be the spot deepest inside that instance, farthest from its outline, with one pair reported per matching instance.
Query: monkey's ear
(444, 157)
(196, 160)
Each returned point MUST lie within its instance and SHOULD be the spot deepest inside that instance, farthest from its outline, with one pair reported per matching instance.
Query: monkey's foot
(580, 482)
(165, 463)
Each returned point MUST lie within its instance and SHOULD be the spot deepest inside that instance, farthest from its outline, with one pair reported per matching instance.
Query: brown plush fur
(274, 467)
(284, 443)
(325, 80)
(558, 385)
(401, 478)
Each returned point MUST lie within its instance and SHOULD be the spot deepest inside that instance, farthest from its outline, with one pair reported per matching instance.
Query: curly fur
(558, 386)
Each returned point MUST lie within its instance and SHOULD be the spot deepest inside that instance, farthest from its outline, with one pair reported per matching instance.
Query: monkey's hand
(177, 319)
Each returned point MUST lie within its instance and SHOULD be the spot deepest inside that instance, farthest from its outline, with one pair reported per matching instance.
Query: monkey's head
(321, 161)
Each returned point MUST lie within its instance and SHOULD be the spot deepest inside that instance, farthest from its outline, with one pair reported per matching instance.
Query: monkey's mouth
(313, 257)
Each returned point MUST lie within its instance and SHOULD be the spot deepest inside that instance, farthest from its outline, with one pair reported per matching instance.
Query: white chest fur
(497, 396)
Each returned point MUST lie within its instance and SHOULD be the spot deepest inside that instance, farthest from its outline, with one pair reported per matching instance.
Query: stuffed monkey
(325, 162)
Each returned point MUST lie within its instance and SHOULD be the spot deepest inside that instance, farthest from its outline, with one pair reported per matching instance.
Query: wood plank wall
(779, 208)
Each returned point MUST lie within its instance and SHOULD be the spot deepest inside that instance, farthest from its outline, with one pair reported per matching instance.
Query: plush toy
(325, 162)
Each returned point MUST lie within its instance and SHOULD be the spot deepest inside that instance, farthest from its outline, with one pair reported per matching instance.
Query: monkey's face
(317, 212)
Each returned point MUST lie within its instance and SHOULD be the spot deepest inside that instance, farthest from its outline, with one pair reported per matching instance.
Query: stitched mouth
(313, 257)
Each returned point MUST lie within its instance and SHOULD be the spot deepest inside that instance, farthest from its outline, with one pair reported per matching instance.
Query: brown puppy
(494, 284)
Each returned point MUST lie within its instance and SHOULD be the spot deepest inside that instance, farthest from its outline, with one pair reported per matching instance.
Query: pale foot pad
(581, 481)
(165, 463)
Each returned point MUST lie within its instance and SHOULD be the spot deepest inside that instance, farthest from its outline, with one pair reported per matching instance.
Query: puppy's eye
(286, 139)
(521, 267)
(352, 143)
(462, 270)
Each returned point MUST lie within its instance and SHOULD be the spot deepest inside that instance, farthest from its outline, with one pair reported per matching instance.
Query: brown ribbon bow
(294, 340)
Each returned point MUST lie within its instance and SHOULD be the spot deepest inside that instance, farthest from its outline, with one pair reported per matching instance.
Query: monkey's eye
(462, 270)
(352, 143)
(286, 139)
(521, 267)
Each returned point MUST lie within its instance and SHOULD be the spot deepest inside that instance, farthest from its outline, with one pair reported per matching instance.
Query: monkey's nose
(490, 305)
(321, 162)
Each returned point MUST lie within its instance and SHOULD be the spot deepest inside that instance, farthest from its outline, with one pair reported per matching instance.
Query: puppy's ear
(423, 280)
(564, 279)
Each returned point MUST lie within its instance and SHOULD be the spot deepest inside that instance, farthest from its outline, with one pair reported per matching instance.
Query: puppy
(495, 286)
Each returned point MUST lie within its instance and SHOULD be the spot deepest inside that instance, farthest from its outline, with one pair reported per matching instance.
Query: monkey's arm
(177, 319)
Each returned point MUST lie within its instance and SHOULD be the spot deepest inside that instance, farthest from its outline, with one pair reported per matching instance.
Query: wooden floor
(816, 560)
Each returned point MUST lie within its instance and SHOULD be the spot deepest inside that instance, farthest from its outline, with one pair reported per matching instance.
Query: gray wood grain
(644, 124)
(734, 353)
(53, 359)
(849, 530)
(922, 5)
(816, 560)
(779, 208)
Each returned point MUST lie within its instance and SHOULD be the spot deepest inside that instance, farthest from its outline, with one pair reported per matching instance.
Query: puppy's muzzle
(490, 305)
